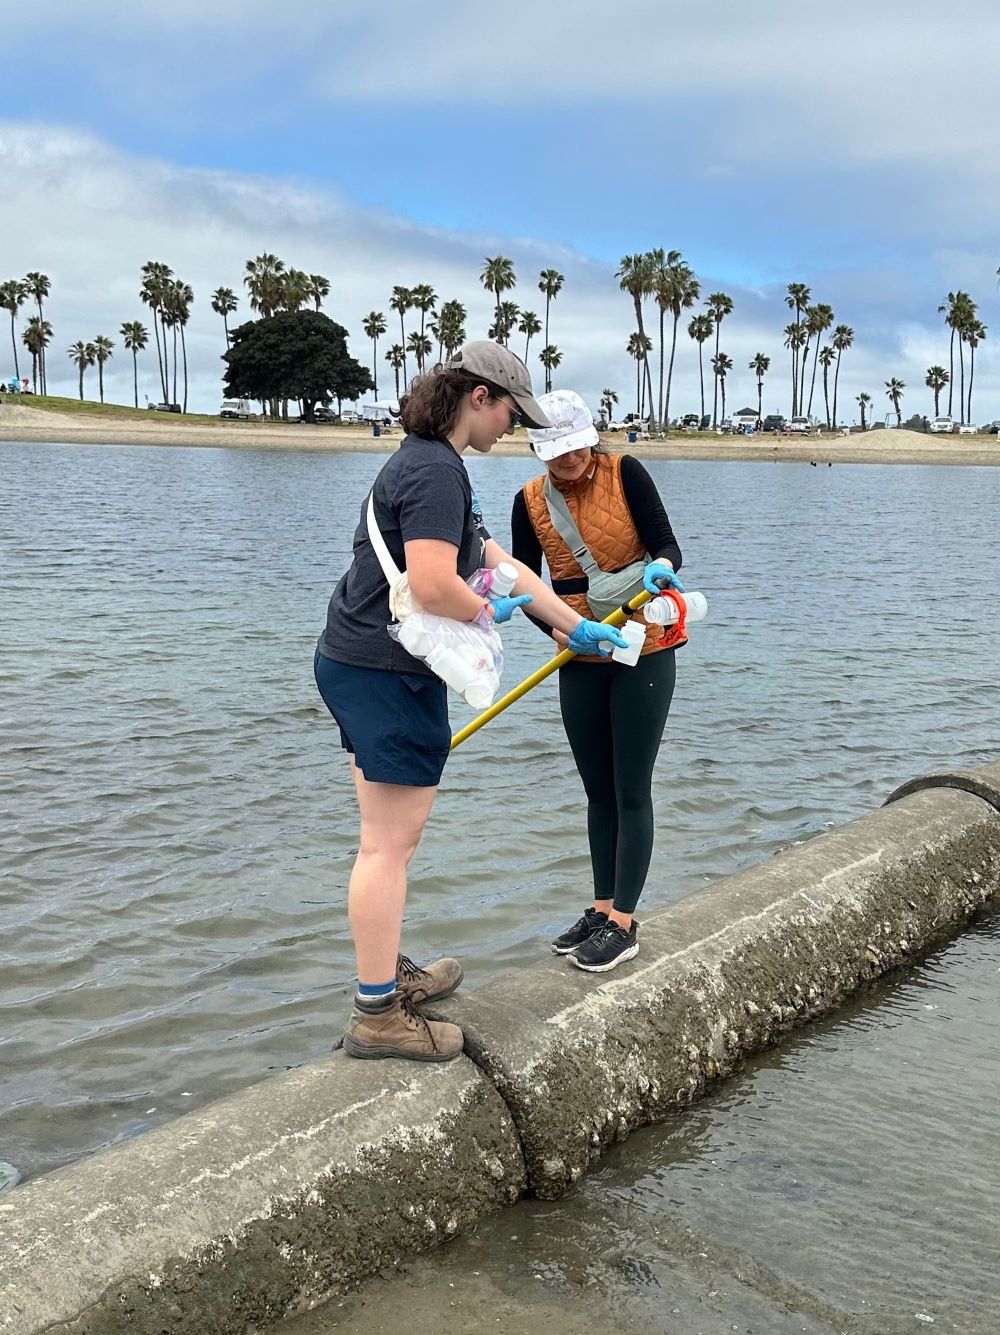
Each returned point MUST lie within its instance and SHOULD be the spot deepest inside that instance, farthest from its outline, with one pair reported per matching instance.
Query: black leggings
(614, 718)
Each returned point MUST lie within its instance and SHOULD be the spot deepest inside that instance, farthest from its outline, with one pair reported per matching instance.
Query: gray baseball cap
(502, 368)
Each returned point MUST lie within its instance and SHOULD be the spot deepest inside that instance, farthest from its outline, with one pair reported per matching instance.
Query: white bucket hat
(572, 425)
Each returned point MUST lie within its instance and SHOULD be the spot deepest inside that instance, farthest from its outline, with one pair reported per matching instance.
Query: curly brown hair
(433, 402)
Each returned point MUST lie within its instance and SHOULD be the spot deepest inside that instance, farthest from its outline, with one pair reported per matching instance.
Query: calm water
(177, 819)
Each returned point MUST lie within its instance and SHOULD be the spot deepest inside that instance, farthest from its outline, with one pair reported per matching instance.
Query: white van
(236, 408)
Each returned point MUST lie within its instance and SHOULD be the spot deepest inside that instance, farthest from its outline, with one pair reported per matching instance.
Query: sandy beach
(19, 423)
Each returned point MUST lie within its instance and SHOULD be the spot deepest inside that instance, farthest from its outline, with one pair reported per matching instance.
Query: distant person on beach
(391, 709)
(592, 509)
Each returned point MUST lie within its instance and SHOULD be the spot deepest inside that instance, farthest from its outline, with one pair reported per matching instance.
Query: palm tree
(396, 358)
(795, 337)
(375, 327)
(676, 289)
(498, 276)
(936, 379)
(863, 401)
(636, 274)
(319, 288)
(421, 347)
(843, 337)
(700, 329)
(721, 365)
(608, 400)
(974, 333)
(529, 325)
(102, 352)
(423, 298)
(152, 291)
(135, 338)
(35, 337)
(224, 302)
(955, 311)
(550, 283)
(178, 300)
(84, 355)
(819, 318)
(797, 299)
(265, 279)
(449, 328)
(719, 306)
(401, 301)
(827, 357)
(508, 313)
(39, 286)
(296, 290)
(638, 346)
(551, 358)
(894, 391)
(760, 365)
(13, 295)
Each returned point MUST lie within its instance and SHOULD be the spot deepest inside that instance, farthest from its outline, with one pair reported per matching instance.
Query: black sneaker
(606, 948)
(579, 932)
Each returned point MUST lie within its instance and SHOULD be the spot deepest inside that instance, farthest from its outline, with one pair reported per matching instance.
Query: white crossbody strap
(378, 544)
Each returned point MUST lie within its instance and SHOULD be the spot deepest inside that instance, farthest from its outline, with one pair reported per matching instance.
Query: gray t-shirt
(423, 491)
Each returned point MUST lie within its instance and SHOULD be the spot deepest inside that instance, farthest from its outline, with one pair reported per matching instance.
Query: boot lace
(415, 1020)
(408, 970)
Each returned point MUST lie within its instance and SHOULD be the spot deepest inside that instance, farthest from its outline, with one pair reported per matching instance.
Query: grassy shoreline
(67, 421)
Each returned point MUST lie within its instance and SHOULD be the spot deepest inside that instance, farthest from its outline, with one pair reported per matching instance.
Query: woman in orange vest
(600, 524)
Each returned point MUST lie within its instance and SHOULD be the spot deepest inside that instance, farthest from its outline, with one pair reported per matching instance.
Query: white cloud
(90, 215)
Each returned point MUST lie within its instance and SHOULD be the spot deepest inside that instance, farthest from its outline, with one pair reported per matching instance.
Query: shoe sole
(566, 950)
(373, 1052)
(628, 954)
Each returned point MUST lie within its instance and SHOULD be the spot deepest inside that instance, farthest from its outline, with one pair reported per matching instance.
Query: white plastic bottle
(504, 579)
(635, 633)
(414, 637)
(663, 612)
(469, 679)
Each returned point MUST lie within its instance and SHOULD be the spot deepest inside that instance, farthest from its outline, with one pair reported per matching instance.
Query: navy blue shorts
(394, 724)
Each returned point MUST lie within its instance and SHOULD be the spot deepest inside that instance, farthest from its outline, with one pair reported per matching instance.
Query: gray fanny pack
(607, 590)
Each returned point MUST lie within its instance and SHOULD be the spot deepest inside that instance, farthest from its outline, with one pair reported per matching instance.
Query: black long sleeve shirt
(643, 500)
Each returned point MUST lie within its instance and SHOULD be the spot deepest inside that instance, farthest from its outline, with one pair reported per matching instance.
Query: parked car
(773, 422)
(691, 422)
(328, 415)
(235, 408)
(800, 425)
(939, 425)
(994, 428)
(164, 407)
(350, 418)
(966, 429)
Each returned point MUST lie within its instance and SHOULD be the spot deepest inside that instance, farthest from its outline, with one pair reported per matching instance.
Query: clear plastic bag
(467, 656)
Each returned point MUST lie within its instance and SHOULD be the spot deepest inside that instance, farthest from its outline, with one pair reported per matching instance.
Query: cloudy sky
(847, 148)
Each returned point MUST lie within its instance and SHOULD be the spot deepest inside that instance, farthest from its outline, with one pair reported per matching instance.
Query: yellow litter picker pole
(617, 618)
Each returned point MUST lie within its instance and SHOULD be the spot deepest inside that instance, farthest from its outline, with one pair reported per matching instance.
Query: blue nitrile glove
(658, 575)
(504, 608)
(587, 637)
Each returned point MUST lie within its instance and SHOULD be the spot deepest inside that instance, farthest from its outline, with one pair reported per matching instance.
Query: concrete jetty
(270, 1201)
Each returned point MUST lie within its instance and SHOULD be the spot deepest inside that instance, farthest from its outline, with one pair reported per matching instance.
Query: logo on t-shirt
(478, 522)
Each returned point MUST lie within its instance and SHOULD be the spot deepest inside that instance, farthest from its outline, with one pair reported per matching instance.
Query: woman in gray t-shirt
(391, 710)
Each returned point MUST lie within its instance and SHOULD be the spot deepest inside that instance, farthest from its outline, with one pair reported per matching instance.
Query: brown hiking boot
(433, 983)
(399, 1031)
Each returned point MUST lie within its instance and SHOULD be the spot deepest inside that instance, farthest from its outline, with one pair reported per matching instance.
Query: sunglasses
(515, 417)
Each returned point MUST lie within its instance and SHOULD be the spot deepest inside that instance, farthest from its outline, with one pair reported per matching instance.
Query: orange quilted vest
(597, 504)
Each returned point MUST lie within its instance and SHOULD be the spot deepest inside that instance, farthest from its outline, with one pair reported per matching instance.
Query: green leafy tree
(760, 366)
(936, 379)
(843, 338)
(701, 328)
(13, 295)
(39, 286)
(894, 392)
(102, 353)
(82, 355)
(135, 337)
(498, 277)
(529, 325)
(722, 365)
(719, 306)
(375, 327)
(224, 302)
(401, 301)
(550, 284)
(294, 355)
